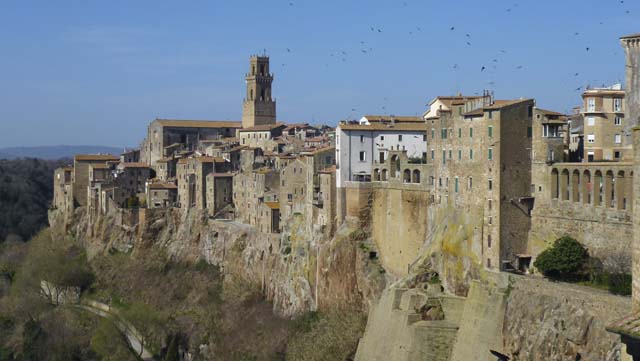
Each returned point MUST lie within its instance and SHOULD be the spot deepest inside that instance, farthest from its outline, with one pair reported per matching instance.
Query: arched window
(587, 187)
(383, 177)
(416, 176)
(395, 166)
(407, 176)
(555, 182)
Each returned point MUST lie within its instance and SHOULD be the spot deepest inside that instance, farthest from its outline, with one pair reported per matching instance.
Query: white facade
(359, 147)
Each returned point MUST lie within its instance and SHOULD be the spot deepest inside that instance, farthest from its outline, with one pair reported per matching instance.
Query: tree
(563, 260)
(147, 322)
(109, 343)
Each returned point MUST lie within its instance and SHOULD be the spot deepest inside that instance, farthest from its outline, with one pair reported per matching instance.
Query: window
(591, 138)
(456, 185)
(490, 184)
(362, 139)
(450, 157)
(490, 220)
(616, 155)
(529, 132)
(363, 157)
(459, 132)
(617, 104)
(490, 204)
(490, 130)
(440, 181)
(444, 133)
(545, 130)
(490, 154)
(424, 157)
(591, 121)
(382, 137)
(490, 114)
(471, 154)
(399, 137)
(470, 132)
(470, 183)
(424, 137)
(459, 154)
(433, 154)
(381, 157)
(617, 121)
(433, 133)
(617, 138)
(444, 156)
(591, 105)
(489, 246)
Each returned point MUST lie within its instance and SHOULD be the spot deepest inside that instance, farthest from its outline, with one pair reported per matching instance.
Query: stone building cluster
(521, 174)
(258, 171)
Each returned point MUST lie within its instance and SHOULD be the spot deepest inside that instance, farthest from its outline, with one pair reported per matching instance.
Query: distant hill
(55, 151)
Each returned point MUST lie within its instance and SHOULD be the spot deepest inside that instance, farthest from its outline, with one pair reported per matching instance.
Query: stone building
(261, 136)
(251, 189)
(480, 152)
(166, 168)
(161, 195)
(219, 193)
(258, 108)
(604, 124)
(166, 137)
(81, 166)
(63, 189)
(191, 175)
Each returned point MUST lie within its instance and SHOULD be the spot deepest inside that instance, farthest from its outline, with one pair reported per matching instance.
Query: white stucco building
(359, 146)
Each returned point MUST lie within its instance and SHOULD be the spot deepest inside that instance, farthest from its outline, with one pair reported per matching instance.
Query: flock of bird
(365, 48)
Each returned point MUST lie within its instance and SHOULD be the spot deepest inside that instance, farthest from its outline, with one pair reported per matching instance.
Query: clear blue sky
(97, 72)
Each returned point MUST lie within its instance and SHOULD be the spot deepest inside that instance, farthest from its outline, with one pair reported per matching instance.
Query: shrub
(620, 284)
(563, 260)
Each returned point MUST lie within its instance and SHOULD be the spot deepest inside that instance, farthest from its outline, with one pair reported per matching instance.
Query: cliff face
(522, 318)
(297, 272)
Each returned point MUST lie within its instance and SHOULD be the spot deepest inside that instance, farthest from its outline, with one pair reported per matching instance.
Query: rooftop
(135, 165)
(393, 118)
(637, 35)
(95, 157)
(497, 105)
(264, 127)
(272, 205)
(162, 185)
(418, 127)
(179, 123)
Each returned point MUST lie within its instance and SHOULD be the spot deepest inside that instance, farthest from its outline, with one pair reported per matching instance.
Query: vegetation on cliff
(568, 260)
(26, 188)
(173, 305)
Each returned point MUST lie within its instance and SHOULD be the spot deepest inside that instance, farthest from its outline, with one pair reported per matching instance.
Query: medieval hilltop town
(513, 175)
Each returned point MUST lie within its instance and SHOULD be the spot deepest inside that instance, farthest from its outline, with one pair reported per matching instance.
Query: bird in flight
(453, 28)
(468, 43)
(519, 67)
(588, 48)
(288, 50)
(482, 69)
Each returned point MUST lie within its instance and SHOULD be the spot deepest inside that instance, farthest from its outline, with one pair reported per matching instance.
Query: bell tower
(258, 107)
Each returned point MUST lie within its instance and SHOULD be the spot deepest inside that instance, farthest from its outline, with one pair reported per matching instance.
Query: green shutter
(471, 132)
(470, 153)
(456, 184)
(490, 131)
(490, 156)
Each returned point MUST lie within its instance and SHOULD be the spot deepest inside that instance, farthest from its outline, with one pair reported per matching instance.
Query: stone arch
(376, 175)
(555, 183)
(395, 166)
(587, 187)
(564, 184)
(407, 176)
(575, 186)
(416, 176)
(609, 189)
(597, 188)
(383, 176)
(621, 197)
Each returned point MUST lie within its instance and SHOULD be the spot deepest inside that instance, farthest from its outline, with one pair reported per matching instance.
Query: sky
(91, 72)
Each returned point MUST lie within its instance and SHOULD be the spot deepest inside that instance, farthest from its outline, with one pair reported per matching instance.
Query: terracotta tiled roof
(178, 123)
(628, 326)
(135, 165)
(318, 150)
(549, 112)
(497, 105)
(331, 169)
(95, 157)
(221, 175)
(264, 127)
(272, 205)
(205, 159)
(263, 170)
(386, 127)
(398, 119)
(100, 166)
(162, 185)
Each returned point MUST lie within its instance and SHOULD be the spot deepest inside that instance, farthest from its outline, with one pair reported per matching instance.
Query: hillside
(55, 151)
(26, 188)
